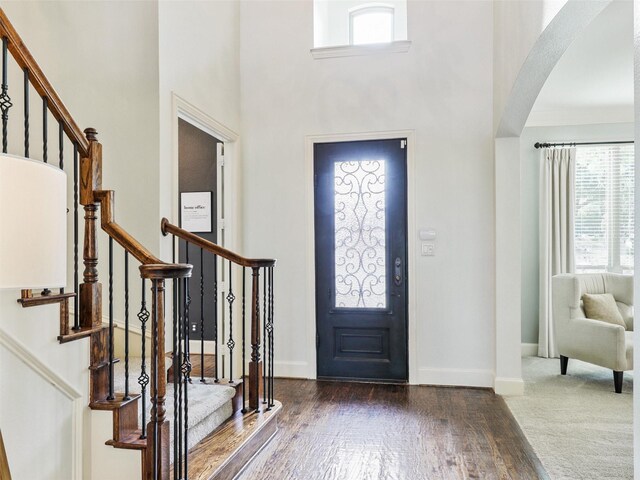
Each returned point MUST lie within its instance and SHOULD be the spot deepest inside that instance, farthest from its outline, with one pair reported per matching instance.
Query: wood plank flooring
(356, 431)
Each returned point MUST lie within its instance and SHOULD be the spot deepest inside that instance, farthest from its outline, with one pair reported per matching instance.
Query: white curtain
(557, 181)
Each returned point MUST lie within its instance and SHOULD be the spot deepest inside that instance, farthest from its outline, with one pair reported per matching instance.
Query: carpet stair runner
(210, 404)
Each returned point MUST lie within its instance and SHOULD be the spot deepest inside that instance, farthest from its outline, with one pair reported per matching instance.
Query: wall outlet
(428, 249)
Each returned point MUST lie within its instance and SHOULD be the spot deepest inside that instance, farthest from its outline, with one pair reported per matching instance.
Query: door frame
(412, 327)
(182, 109)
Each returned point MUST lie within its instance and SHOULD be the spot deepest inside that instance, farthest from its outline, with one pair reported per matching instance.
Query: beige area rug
(577, 425)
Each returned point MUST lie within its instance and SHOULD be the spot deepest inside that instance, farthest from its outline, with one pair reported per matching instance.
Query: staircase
(193, 408)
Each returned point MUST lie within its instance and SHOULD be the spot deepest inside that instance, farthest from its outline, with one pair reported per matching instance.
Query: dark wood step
(102, 365)
(36, 300)
(130, 442)
(82, 332)
(196, 369)
(116, 403)
(222, 454)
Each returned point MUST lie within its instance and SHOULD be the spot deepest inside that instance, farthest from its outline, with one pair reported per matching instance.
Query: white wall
(517, 26)
(200, 62)
(22, 385)
(442, 89)
(102, 59)
(529, 189)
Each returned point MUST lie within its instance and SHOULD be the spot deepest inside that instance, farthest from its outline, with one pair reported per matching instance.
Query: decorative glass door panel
(360, 230)
(361, 250)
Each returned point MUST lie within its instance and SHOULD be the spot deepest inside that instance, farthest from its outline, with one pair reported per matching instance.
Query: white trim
(529, 349)
(310, 140)
(455, 377)
(291, 369)
(135, 329)
(77, 404)
(181, 108)
(508, 386)
(185, 110)
(398, 46)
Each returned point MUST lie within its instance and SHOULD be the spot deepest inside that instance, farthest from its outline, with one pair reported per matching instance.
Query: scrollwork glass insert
(360, 265)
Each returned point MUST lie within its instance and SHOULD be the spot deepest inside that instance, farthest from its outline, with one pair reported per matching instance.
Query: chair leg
(564, 361)
(617, 381)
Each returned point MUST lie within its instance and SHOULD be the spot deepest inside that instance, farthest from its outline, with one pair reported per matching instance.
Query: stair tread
(82, 332)
(45, 299)
(130, 442)
(103, 364)
(118, 402)
(232, 445)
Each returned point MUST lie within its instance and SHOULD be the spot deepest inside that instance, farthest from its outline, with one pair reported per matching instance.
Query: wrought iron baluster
(254, 370)
(176, 376)
(143, 379)
(187, 347)
(76, 281)
(26, 112)
(111, 396)
(178, 371)
(186, 371)
(201, 315)
(61, 145)
(5, 100)
(155, 376)
(270, 333)
(265, 341)
(45, 128)
(244, 329)
(215, 316)
(231, 342)
(126, 325)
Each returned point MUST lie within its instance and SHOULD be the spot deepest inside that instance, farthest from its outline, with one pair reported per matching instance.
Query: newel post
(158, 427)
(255, 366)
(90, 181)
(157, 453)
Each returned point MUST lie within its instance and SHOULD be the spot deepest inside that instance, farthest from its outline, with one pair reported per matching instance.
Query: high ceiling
(593, 81)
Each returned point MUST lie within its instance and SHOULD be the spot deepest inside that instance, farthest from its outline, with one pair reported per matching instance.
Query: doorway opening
(200, 184)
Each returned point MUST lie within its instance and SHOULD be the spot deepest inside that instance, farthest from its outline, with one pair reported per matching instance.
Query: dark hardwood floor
(357, 431)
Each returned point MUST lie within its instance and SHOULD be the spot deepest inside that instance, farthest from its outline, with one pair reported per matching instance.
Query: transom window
(371, 25)
(340, 23)
(604, 215)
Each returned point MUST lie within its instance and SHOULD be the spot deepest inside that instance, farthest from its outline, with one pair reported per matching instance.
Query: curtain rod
(573, 144)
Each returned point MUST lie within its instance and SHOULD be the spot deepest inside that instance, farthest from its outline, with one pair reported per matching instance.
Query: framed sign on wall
(195, 211)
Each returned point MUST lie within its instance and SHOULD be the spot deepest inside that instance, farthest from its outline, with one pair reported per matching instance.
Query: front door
(361, 259)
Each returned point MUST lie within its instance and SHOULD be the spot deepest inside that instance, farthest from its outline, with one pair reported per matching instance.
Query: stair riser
(125, 421)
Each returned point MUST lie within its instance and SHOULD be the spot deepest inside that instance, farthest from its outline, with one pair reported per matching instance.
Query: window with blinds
(604, 208)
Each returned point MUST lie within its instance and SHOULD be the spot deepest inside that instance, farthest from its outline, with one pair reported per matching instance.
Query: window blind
(604, 208)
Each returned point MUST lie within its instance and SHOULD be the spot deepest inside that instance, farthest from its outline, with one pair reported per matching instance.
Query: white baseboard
(508, 386)
(529, 349)
(455, 377)
(291, 369)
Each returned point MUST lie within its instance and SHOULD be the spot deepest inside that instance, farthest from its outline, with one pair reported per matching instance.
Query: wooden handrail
(168, 227)
(106, 198)
(24, 59)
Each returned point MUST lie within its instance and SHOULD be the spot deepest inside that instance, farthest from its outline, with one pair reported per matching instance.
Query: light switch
(428, 249)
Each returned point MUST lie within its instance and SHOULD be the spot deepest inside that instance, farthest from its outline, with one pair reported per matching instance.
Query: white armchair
(593, 341)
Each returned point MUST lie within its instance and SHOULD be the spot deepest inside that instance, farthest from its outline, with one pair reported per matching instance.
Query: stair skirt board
(210, 405)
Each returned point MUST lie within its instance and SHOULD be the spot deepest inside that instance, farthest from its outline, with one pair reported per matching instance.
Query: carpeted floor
(577, 425)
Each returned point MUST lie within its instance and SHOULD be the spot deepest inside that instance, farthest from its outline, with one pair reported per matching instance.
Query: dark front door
(361, 259)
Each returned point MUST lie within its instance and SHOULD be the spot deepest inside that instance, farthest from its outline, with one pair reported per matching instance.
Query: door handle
(397, 275)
